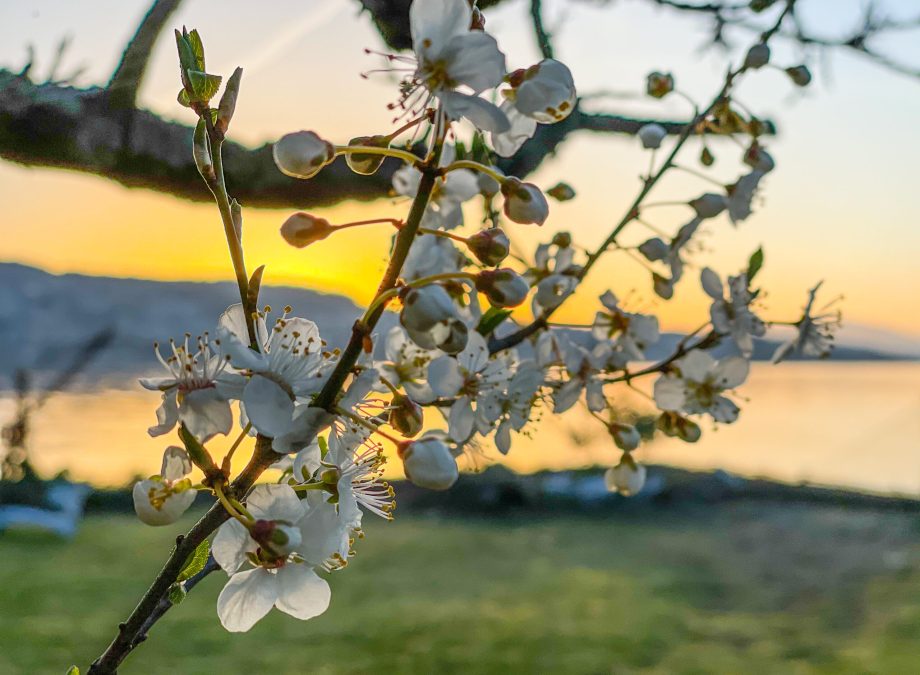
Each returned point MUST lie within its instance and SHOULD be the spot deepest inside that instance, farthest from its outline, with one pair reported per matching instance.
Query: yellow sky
(838, 206)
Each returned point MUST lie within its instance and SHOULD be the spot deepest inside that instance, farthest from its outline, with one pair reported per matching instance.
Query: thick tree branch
(70, 128)
(129, 75)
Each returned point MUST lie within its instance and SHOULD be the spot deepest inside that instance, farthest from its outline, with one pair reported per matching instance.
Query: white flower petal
(167, 415)
(176, 463)
(520, 129)
(483, 114)
(444, 376)
(670, 392)
(206, 413)
(268, 406)
(230, 546)
(434, 22)
(276, 501)
(712, 285)
(474, 59)
(303, 594)
(732, 372)
(461, 418)
(246, 598)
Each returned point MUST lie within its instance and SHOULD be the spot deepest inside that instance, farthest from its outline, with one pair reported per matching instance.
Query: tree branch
(129, 75)
(543, 38)
(137, 624)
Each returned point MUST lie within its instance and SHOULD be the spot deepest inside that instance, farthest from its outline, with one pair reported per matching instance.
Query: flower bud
(651, 136)
(366, 164)
(709, 205)
(302, 154)
(672, 424)
(627, 477)
(405, 415)
(458, 334)
(626, 436)
(426, 306)
(302, 229)
(524, 202)
(503, 287)
(800, 75)
(488, 186)
(562, 240)
(561, 192)
(489, 246)
(659, 85)
(663, 287)
(654, 249)
(428, 463)
(158, 502)
(758, 158)
(706, 157)
(544, 92)
(758, 56)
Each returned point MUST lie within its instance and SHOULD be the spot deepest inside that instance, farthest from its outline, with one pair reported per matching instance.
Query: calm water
(848, 424)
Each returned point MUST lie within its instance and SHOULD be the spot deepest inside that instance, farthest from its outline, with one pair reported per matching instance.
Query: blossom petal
(303, 594)
(206, 413)
(696, 366)
(712, 285)
(176, 464)
(230, 546)
(474, 59)
(167, 415)
(434, 22)
(567, 395)
(461, 418)
(268, 406)
(246, 598)
(475, 356)
(276, 501)
(670, 392)
(444, 376)
(483, 114)
(732, 372)
(520, 129)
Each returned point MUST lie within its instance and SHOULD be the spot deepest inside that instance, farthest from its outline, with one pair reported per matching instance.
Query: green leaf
(197, 47)
(186, 54)
(204, 85)
(176, 594)
(183, 99)
(73, 670)
(255, 284)
(754, 264)
(491, 320)
(195, 562)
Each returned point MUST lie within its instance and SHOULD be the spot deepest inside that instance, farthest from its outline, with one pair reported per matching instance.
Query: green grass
(729, 589)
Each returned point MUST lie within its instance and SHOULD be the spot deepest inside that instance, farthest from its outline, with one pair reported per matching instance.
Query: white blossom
(470, 377)
(697, 385)
(276, 380)
(732, 315)
(814, 334)
(274, 576)
(630, 334)
(162, 499)
(450, 56)
(651, 135)
(190, 391)
(627, 477)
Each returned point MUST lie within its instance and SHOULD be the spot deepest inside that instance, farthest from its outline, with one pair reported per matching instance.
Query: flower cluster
(472, 355)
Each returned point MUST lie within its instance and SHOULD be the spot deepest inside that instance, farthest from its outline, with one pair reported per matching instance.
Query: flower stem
(326, 397)
(404, 155)
(475, 166)
(218, 188)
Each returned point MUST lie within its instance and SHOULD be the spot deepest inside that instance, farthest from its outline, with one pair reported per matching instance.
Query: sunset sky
(841, 205)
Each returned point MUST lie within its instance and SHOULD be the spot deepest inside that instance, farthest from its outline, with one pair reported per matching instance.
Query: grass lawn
(752, 588)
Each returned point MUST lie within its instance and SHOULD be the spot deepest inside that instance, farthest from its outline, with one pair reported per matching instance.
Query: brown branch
(129, 75)
(64, 127)
(136, 625)
(544, 41)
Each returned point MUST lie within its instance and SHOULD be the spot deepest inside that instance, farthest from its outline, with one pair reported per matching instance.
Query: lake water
(846, 424)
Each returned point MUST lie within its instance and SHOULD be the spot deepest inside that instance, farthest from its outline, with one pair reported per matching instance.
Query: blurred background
(786, 542)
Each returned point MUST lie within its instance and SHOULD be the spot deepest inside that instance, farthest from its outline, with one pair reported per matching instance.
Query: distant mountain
(44, 318)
